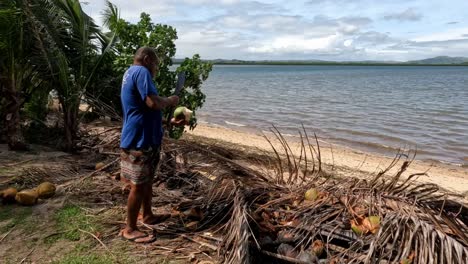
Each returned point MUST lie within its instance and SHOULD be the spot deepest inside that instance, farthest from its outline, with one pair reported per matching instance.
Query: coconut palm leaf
(416, 222)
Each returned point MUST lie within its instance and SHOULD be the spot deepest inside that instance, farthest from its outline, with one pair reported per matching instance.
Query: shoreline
(449, 177)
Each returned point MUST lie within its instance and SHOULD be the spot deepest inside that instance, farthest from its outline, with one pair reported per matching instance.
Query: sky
(337, 30)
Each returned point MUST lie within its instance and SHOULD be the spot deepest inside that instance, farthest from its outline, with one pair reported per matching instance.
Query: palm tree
(75, 49)
(51, 41)
(19, 75)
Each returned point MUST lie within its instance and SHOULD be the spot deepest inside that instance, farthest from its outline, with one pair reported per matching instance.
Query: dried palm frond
(256, 203)
(236, 241)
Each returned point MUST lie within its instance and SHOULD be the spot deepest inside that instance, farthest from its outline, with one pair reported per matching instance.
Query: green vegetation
(54, 44)
(70, 220)
(86, 258)
(13, 216)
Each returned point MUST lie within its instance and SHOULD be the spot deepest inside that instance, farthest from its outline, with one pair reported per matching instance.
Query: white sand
(449, 177)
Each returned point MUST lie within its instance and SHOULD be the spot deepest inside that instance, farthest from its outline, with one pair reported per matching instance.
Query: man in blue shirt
(142, 134)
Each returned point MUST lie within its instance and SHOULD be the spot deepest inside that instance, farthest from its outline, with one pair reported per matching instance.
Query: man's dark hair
(145, 51)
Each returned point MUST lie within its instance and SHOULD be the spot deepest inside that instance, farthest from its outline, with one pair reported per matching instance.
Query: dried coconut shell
(27, 197)
(46, 190)
(8, 195)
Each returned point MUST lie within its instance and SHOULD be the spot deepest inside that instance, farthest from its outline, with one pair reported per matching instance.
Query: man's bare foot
(137, 236)
(155, 219)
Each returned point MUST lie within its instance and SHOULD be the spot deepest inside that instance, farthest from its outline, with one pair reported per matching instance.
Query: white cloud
(294, 43)
(409, 14)
(314, 29)
(449, 34)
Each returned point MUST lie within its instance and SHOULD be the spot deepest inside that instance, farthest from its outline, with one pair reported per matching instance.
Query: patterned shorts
(139, 166)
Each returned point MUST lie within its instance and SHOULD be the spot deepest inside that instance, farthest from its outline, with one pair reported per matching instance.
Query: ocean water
(378, 109)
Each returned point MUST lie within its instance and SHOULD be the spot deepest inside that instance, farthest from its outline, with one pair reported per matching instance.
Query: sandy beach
(350, 162)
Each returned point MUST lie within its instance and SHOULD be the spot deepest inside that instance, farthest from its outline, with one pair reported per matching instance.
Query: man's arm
(156, 102)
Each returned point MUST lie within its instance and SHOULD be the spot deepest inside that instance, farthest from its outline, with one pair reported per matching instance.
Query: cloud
(408, 15)
(314, 29)
(449, 34)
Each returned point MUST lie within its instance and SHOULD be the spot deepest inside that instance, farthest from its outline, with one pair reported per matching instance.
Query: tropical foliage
(145, 33)
(19, 65)
(47, 44)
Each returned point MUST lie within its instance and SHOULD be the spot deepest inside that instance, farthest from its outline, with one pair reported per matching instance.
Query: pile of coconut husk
(284, 208)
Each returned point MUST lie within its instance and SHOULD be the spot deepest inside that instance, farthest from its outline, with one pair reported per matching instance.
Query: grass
(88, 259)
(70, 219)
(6, 170)
(14, 216)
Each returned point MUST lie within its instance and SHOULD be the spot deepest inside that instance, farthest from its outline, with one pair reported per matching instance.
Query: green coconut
(179, 113)
(375, 220)
(183, 112)
(311, 194)
(46, 190)
(358, 230)
(27, 197)
(372, 223)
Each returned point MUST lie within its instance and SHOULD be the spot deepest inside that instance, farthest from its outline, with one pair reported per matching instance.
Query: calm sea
(377, 109)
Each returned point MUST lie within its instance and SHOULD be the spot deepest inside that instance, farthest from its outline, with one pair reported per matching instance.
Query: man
(142, 134)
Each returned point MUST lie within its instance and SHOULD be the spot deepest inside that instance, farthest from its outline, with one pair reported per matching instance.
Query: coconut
(192, 226)
(27, 197)
(287, 250)
(100, 165)
(357, 229)
(372, 223)
(8, 195)
(311, 194)
(307, 257)
(317, 248)
(179, 112)
(183, 112)
(46, 190)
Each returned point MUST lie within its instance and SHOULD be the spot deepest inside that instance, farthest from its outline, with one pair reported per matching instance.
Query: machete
(179, 86)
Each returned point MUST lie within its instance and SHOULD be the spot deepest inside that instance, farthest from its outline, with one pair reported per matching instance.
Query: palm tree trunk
(70, 118)
(12, 121)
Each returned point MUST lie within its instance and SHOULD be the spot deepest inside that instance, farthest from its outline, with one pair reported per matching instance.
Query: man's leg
(148, 216)
(135, 199)
(133, 169)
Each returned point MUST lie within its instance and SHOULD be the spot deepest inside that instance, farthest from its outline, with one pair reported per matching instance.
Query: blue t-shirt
(142, 126)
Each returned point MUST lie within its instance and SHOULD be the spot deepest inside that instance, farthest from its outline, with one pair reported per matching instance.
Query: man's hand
(178, 122)
(173, 100)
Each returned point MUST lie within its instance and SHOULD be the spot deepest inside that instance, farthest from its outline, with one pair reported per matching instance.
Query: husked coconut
(100, 165)
(27, 197)
(46, 190)
(8, 195)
